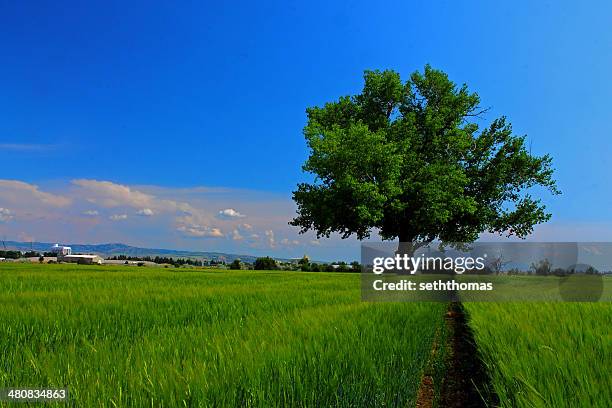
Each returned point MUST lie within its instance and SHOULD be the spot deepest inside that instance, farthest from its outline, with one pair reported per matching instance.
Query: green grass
(119, 336)
(127, 336)
(546, 354)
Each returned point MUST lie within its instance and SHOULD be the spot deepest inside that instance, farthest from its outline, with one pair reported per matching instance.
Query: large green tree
(410, 160)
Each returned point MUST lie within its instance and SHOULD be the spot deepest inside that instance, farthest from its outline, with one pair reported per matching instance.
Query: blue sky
(165, 98)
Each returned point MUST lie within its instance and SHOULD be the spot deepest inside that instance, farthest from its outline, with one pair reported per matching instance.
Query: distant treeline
(162, 260)
(18, 254)
(335, 267)
(263, 263)
(304, 264)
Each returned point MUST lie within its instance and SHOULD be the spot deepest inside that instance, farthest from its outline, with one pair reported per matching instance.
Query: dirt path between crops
(466, 383)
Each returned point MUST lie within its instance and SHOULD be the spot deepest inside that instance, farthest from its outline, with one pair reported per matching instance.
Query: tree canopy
(265, 263)
(410, 160)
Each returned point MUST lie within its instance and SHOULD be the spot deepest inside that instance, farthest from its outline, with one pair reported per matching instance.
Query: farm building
(80, 259)
(64, 254)
(61, 250)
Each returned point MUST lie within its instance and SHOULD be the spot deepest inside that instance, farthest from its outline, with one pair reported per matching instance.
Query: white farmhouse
(60, 250)
(64, 254)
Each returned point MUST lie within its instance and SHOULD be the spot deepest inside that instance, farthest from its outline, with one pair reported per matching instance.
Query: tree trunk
(405, 247)
(406, 242)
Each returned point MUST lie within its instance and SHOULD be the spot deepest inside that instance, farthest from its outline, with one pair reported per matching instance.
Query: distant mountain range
(108, 250)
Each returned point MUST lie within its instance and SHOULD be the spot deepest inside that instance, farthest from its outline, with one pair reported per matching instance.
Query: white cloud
(109, 194)
(270, 239)
(23, 193)
(230, 213)
(246, 227)
(215, 232)
(289, 242)
(200, 231)
(315, 242)
(236, 235)
(118, 217)
(5, 215)
(91, 213)
(147, 212)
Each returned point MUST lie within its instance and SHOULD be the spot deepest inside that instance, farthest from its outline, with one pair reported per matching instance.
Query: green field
(128, 336)
(546, 354)
(154, 337)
